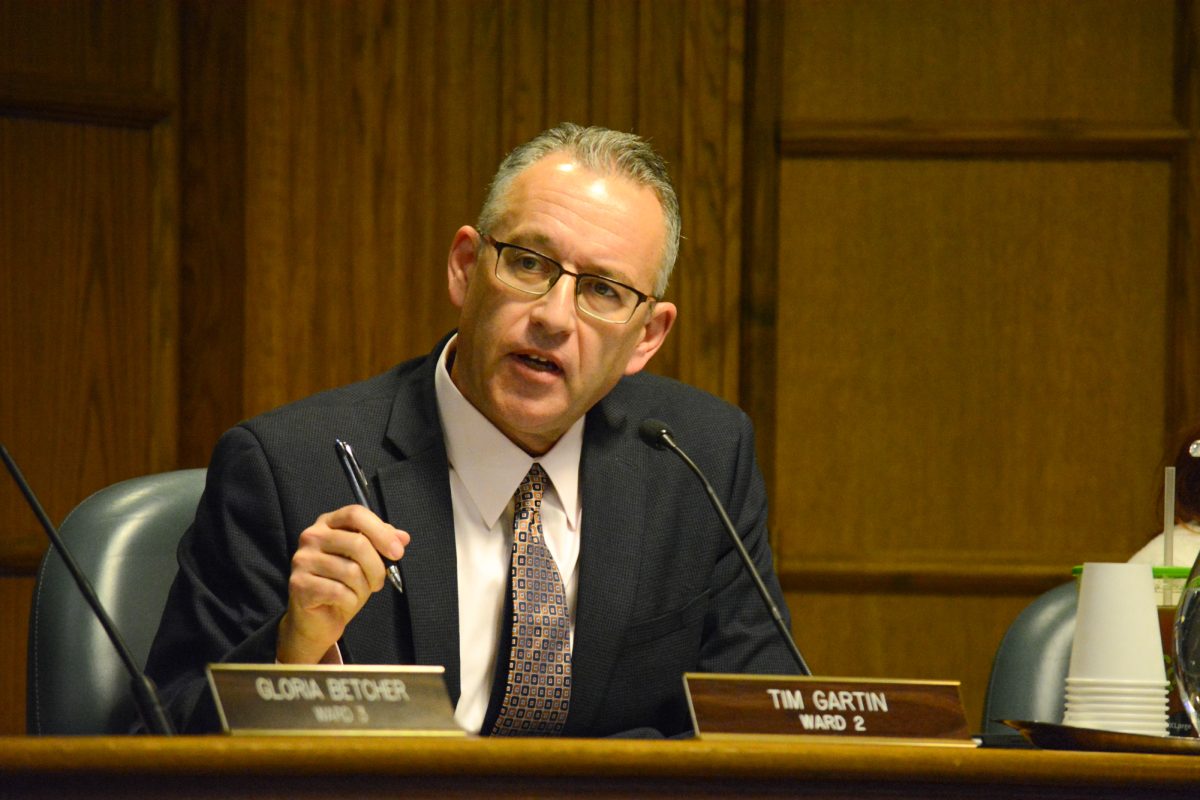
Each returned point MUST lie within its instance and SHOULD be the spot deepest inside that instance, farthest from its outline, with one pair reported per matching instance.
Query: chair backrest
(124, 538)
(1030, 669)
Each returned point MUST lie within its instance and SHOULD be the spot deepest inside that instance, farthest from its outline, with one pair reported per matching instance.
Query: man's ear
(460, 266)
(662, 317)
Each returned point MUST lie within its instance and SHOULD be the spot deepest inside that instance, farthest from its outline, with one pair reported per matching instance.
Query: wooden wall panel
(113, 43)
(980, 60)
(1183, 403)
(212, 244)
(15, 597)
(80, 295)
(708, 284)
(760, 223)
(971, 357)
(87, 245)
(349, 209)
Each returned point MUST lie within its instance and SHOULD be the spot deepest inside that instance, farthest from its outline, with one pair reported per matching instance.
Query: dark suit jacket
(661, 589)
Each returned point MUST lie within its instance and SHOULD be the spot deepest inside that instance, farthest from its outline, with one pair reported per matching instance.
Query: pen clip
(354, 474)
(358, 473)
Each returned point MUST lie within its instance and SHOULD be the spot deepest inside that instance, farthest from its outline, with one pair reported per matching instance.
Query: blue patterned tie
(537, 691)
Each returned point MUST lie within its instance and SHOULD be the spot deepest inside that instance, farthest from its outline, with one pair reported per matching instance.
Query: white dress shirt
(485, 471)
(1185, 548)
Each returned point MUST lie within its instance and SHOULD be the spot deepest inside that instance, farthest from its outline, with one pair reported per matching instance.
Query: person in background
(1186, 541)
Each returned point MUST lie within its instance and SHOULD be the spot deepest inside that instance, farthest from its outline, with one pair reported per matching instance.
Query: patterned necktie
(537, 691)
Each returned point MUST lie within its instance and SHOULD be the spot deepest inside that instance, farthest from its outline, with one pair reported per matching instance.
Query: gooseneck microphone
(145, 694)
(656, 434)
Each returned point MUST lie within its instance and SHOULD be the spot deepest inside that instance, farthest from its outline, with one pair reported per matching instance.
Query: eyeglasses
(533, 273)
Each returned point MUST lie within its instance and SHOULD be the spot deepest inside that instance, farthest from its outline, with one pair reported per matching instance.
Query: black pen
(362, 493)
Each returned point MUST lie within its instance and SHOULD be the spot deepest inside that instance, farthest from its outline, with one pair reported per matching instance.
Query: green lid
(1180, 573)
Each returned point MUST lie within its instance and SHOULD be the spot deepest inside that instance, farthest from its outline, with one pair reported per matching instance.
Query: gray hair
(600, 150)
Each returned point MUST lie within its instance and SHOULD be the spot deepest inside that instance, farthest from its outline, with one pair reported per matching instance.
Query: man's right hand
(336, 568)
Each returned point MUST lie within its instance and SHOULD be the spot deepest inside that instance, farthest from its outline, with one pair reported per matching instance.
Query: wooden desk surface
(333, 767)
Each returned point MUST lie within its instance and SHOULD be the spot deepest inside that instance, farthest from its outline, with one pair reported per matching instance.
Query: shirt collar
(489, 464)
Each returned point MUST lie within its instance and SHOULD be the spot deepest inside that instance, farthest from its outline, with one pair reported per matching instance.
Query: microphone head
(655, 433)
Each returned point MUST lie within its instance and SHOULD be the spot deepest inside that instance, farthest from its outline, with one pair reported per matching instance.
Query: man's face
(534, 365)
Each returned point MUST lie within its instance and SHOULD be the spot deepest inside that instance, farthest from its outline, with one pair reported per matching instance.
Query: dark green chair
(1029, 671)
(124, 538)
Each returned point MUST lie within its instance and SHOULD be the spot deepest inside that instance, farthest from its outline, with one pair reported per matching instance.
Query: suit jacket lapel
(415, 491)
(610, 552)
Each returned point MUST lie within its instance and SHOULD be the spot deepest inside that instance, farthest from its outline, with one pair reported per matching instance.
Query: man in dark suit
(541, 542)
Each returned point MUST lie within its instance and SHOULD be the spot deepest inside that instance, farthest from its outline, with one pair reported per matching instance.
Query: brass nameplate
(845, 709)
(344, 700)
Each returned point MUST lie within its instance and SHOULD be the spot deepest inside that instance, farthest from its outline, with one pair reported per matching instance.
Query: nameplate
(839, 709)
(262, 699)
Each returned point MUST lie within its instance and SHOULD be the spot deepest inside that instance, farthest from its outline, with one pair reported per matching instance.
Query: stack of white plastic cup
(1116, 680)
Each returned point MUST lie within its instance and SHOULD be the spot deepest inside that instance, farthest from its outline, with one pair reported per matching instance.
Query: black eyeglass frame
(499, 247)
